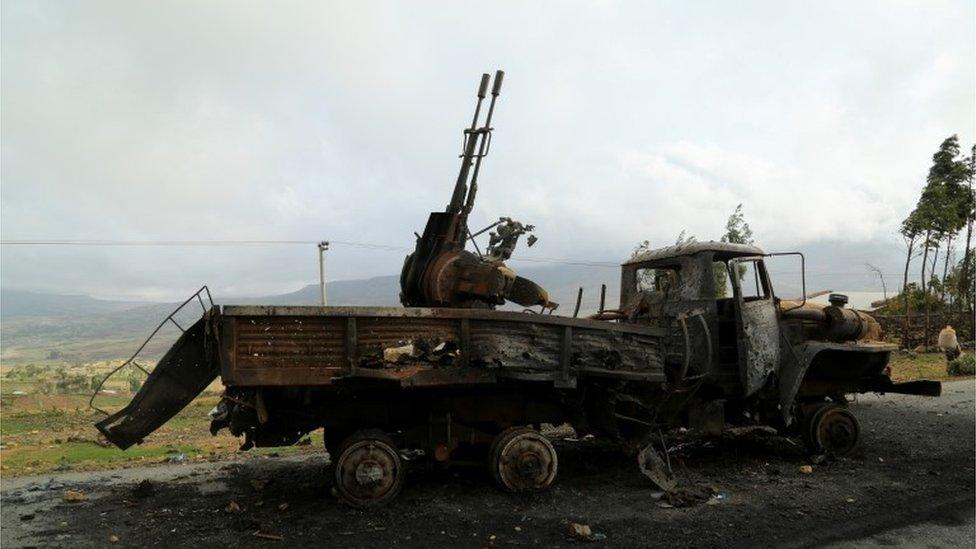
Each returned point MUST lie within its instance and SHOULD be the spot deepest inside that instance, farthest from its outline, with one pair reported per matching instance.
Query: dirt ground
(912, 484)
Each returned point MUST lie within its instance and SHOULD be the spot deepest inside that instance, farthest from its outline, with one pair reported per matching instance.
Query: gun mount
(441, 272)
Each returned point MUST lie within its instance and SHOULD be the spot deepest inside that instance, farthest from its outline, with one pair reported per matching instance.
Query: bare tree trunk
(965, 284)
(965, 292)
(925, 294)
(945, 267)
(906, 326)
(910, 243)
(925, 258)
(928, 304)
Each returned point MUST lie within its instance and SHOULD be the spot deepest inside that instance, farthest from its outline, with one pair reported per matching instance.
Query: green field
(42, 433)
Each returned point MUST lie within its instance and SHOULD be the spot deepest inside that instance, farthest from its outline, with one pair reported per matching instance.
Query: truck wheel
(832, 429)
(368, 471)
(522, 460)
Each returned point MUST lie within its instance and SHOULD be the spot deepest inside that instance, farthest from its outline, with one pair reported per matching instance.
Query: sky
(618, 122)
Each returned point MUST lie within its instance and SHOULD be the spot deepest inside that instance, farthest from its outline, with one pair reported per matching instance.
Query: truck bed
(308, 345)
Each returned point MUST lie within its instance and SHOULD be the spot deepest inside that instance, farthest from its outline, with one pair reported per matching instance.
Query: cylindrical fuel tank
(841, 324)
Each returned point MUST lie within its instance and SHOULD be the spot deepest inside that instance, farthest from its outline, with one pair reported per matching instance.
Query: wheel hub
(524, 461)
(368, 472)
(836, 430)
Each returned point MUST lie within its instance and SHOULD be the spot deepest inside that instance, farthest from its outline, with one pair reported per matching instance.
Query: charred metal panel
(270, 341)
(721, 250)
(797, 360)
(311, 346)
(183, 372)
(272, 350)
(516, 346)
(757, 325)
(759, 346)
(617, 351)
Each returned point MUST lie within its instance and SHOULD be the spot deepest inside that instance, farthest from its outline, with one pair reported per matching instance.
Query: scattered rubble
(432, 351)
(581, 531)
(266, 535)
(655, 468)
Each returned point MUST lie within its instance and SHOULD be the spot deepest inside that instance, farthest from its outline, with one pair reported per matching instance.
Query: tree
(967, 272)
(942, 209)
(874, 269)
(957, 291)
(684, 238)
(911, 229)
(737, 231)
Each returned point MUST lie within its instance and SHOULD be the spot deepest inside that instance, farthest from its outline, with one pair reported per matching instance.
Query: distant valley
(40, 327)
(44, 327)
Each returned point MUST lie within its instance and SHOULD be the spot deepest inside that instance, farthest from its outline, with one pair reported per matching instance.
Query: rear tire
(522, 460)
(368, 471)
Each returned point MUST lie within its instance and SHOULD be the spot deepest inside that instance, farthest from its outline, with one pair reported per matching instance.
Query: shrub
(963, 365)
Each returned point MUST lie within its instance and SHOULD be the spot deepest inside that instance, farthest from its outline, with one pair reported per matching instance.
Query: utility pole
(323, 247)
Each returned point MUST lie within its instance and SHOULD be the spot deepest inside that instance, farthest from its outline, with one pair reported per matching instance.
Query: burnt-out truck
(699, 339)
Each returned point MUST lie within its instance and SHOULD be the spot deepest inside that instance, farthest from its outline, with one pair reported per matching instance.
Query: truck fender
(793, 367)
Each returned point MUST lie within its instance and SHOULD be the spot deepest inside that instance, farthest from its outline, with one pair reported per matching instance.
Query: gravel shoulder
(912, 484)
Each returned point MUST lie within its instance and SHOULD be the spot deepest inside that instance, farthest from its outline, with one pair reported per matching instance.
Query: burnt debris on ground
(748, 490)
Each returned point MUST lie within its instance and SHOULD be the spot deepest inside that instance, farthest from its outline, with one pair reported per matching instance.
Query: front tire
(832, 429)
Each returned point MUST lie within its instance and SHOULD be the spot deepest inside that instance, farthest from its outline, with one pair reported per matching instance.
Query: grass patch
(85, 456)
(37, 437)
(906, 366)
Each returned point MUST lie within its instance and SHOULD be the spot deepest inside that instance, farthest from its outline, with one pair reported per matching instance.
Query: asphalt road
(911, 485)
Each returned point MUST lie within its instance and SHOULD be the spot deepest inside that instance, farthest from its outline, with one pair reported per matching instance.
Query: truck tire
(368, 471)
(522, 460)
(832, 429)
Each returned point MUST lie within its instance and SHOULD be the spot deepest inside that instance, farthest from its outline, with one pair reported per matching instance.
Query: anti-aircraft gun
(441, 272)
(683, 350)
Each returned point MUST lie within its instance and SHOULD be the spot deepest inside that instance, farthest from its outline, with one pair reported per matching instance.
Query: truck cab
(719, 297)
(730, 339)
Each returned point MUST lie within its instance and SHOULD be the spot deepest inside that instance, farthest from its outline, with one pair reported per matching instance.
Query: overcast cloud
(618, 122)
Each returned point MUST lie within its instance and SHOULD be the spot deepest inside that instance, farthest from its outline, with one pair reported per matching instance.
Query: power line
(345, 243)
(579, 262)
(83, 242)
(79, 242)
